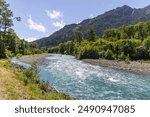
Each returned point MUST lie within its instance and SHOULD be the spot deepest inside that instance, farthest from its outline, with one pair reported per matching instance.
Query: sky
(41, 18)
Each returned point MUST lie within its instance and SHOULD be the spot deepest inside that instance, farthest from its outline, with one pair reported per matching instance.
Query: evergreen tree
(78, 36)
(2, 48)
(91, 34)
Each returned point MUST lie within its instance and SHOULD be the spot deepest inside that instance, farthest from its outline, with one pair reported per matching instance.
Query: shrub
(36, 51)
(89, 52)
(44, 86)
(102, 54)
(33, 73)
(18, 55)
(27, 52)
(109, 55)
(127, 60)
(25, 80)
(122, 56)
(8, 53)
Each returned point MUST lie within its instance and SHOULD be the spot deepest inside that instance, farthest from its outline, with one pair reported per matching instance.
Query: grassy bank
(13, 85)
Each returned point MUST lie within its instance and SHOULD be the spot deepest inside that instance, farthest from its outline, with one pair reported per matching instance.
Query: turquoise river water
(85, 81)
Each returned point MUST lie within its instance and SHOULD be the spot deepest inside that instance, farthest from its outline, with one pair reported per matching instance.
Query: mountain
(124, 15)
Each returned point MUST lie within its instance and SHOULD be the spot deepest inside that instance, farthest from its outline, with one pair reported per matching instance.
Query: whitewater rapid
(85, 81)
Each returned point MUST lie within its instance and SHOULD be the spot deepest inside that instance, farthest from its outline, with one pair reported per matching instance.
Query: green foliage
(127, 60)
(10, 44)
(27, 52)
(109, 55)
(2, 48)
(127, 46)
(8, 54)
(61, 48)
(26, 81)
(18, 55)
(139, 31)
(36, 51)
(114, 18)
(78, 36)
(88, 52)
(53, 49)
(33, 73)
(13, 46)
(118, 44)
(146, 43)
(121, 56)
(5, 16)
(27, 88)
(44, 86)
(91, 34)
(112, 33)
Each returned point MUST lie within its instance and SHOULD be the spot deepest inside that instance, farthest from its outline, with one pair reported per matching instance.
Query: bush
(44, 86)
(141, 53)
(89, 52)
(36, 51)
(8, 53)
(127, 60)
(102, 54)
(109, 55)
(122, 56)
(2, 48)
(18, 55)
(25, 80)
(33, 73)
(27, 52)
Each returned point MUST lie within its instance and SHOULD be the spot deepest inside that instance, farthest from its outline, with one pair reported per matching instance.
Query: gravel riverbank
(135, 66)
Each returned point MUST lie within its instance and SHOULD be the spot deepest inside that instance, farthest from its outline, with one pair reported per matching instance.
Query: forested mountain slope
(114, 18)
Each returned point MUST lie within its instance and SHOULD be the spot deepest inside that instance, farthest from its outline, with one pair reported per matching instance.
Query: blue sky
(40, 18)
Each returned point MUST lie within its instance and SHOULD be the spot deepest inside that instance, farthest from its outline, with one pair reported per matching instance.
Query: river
(85, 81)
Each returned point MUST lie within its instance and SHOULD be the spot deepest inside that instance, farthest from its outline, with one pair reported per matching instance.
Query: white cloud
(59, 24)
(35, 26)
(54, 14)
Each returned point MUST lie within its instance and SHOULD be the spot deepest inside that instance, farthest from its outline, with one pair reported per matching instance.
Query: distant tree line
(125, 43)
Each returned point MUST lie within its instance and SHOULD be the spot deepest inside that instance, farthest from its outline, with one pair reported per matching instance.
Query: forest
(131, 42)
(10, 44)
(16, 81)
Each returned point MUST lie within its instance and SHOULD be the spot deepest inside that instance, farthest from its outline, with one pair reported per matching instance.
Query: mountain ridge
(114, 18)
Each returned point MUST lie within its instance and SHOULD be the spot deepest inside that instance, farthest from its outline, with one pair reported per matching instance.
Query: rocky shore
(135, 66)
(38, 58)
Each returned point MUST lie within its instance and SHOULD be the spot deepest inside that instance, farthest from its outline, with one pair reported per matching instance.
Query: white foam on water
(114, 80)
(87, 81)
